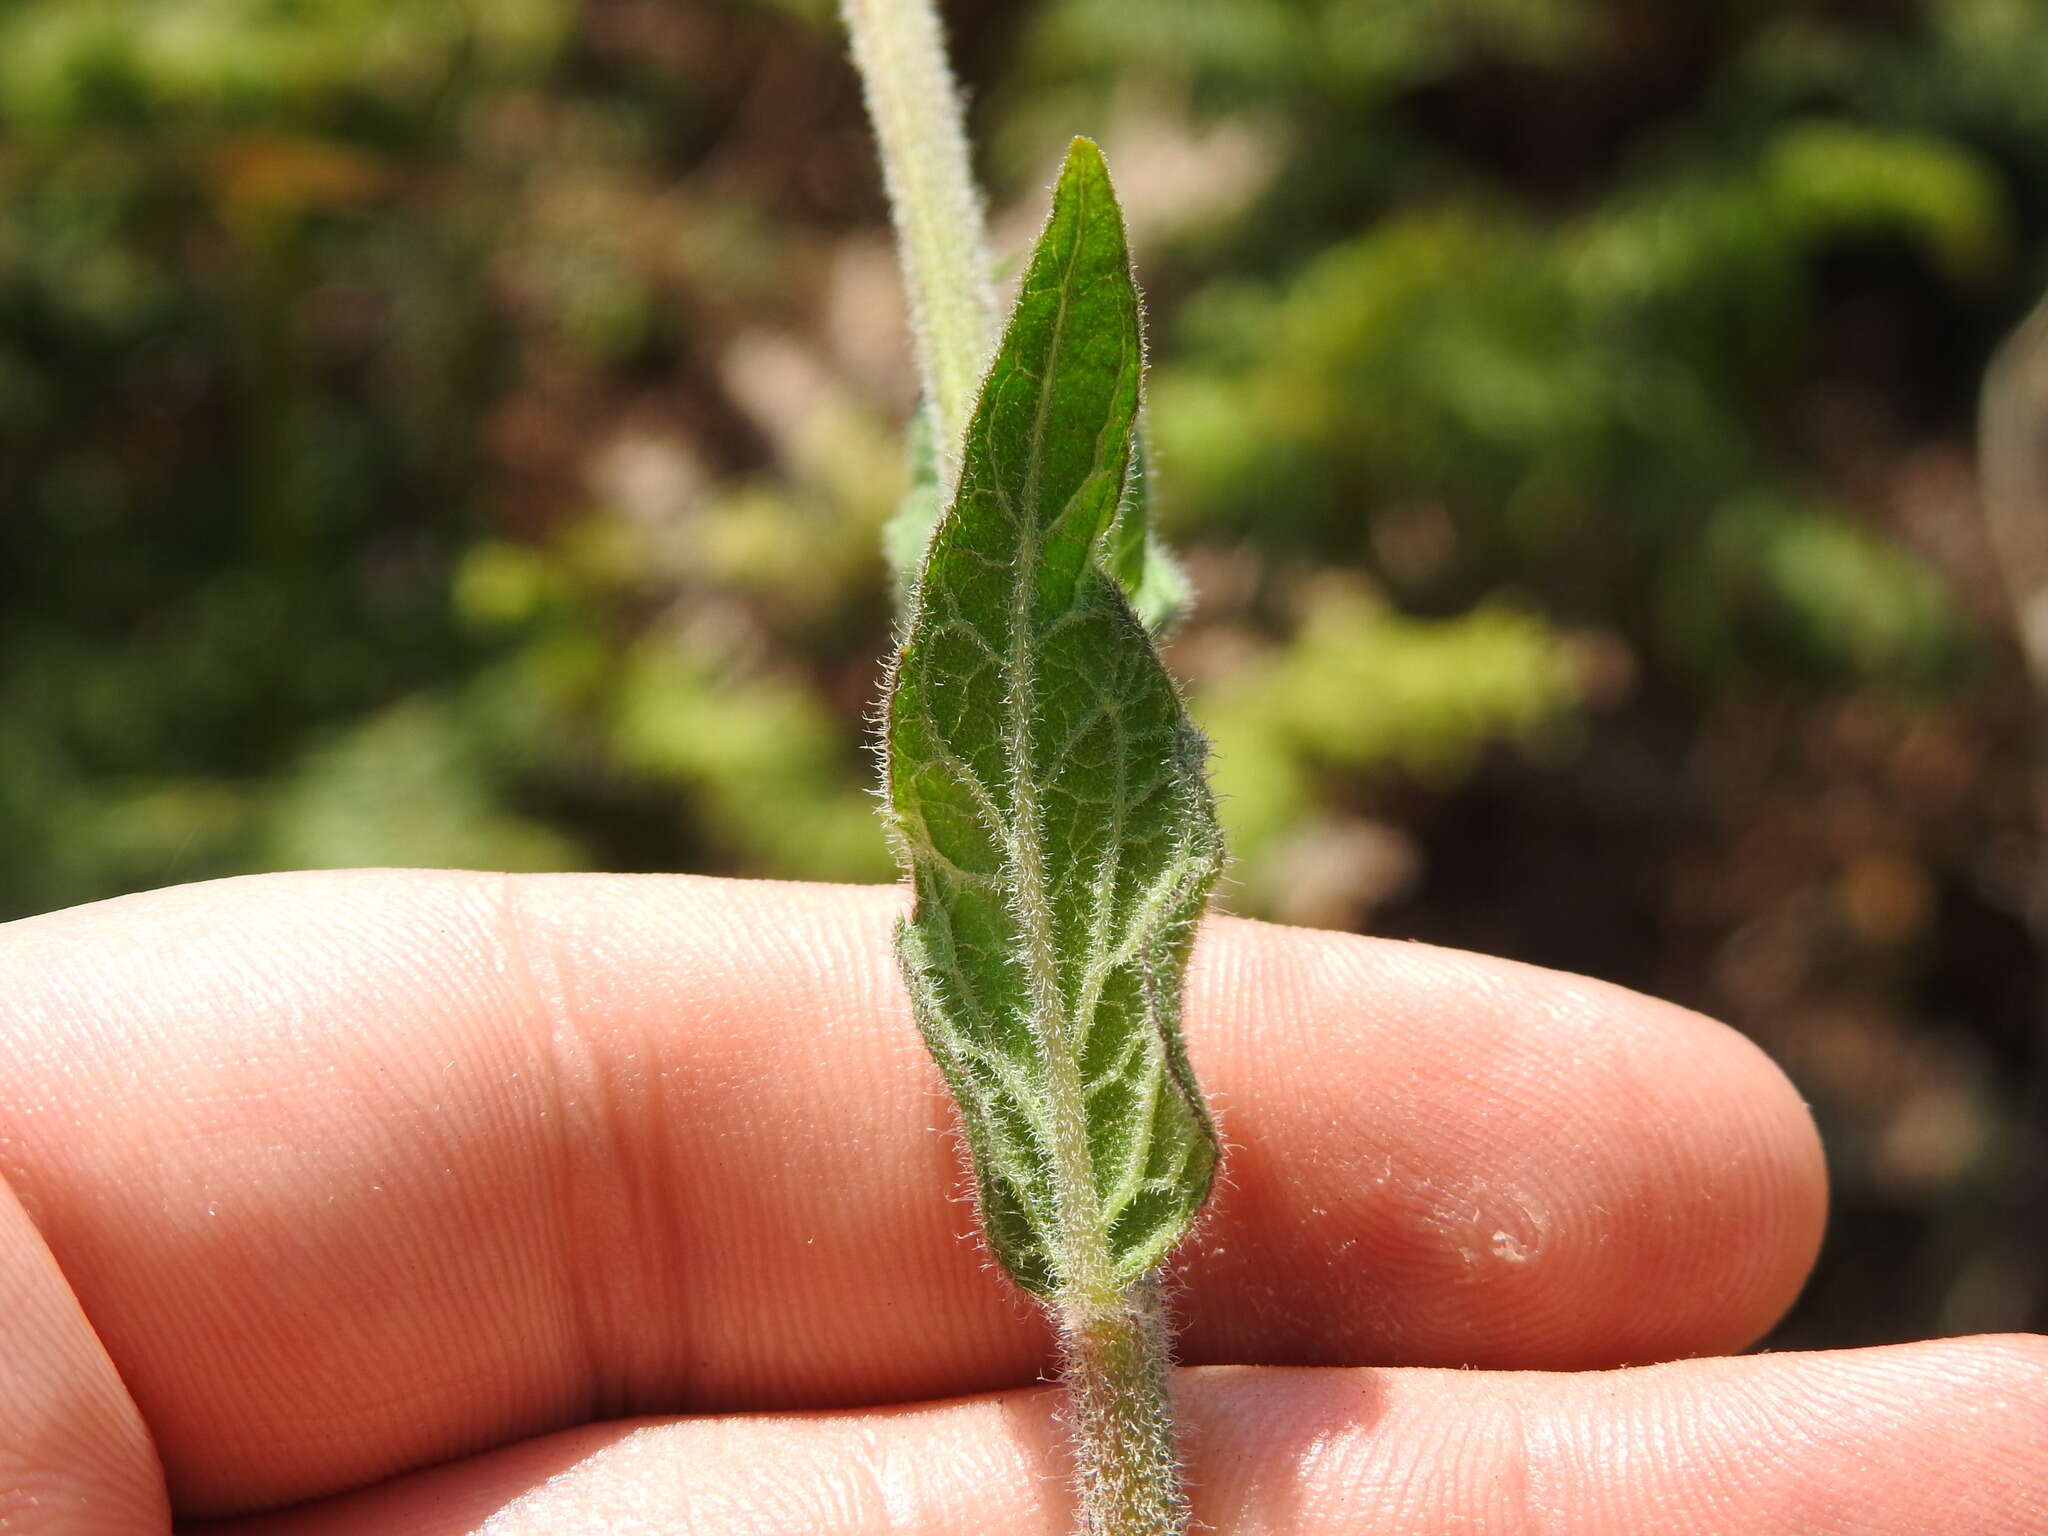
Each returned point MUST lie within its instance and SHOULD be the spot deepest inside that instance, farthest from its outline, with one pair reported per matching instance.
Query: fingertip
(1479, 1162)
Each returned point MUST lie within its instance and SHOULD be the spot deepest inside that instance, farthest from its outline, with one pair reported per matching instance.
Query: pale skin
(416, 1204)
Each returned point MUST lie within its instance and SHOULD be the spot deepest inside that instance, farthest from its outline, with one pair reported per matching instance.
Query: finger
(1441, 1158)
(74, 1457)
(357, 1172)
(1943, 1437)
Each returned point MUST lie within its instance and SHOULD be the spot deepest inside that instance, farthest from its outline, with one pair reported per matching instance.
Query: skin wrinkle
(660, 1231)
(568, 1080)
(621, 1234)
(515, 1099)
(73, 1451)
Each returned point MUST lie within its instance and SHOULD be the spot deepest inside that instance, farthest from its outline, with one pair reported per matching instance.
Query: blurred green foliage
(444, 432)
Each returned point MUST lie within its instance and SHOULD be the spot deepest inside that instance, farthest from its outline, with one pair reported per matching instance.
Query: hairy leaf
(1151, 578)
(908, 532)
(1047, 793)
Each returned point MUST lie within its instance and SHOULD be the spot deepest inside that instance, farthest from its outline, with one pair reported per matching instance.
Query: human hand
(326, 1179)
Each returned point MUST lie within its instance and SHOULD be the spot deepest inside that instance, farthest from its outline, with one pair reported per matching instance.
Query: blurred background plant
(450, 432)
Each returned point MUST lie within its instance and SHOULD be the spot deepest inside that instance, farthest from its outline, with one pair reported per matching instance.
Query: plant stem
(1127, 1471)
(940, 236)
(1113, 1342)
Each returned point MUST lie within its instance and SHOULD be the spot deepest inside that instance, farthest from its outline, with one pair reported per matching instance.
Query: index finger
(357, 1172)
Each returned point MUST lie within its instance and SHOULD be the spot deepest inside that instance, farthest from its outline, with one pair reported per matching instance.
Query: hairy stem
(940, 236)
(1112, 1336)
(1127, 1471)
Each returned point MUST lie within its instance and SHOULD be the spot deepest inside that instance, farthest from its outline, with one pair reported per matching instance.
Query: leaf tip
(1082, 150)
(1084, 162)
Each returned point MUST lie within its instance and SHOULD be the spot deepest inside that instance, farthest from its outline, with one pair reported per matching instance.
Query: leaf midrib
(1082, 1269)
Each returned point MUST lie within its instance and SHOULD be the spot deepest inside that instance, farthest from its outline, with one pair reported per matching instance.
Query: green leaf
(909, 529)
(1151, 578)
(1047, 794)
